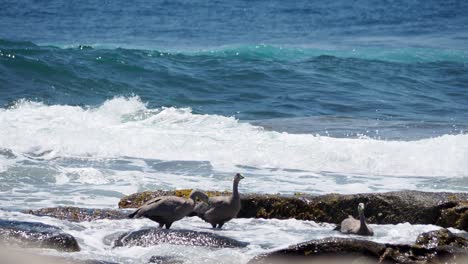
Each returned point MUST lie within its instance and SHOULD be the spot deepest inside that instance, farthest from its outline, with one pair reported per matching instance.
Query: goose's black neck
(235, 191)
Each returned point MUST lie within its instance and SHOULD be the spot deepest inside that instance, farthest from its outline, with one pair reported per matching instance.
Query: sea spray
(125, 127)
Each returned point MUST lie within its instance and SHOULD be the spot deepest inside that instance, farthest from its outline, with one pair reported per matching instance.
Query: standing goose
(167, 209)
(221, 209)
(353, 226)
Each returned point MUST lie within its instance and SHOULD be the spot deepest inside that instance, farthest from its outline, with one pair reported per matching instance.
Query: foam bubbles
(81, 175)
(126, 127)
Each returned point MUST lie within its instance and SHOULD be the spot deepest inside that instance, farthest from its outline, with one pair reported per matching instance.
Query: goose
(167, 209)
(353, 226)
(221, 209)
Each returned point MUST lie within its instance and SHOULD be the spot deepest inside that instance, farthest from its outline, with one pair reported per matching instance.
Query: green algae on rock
(455, 215)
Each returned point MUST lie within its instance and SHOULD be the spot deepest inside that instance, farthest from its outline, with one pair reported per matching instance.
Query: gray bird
(353, 226)
(221, 209)
(167, 209)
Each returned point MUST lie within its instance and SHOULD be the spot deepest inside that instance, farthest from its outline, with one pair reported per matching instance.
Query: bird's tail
(132, 215)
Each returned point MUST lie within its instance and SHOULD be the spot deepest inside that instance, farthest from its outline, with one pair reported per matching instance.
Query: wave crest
(257, 51)
(127, 127)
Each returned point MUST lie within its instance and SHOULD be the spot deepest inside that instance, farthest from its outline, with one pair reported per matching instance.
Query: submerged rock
(448, 248)
(156, 236)
(77, 214)
(29, 234)
(441, 208)
(165, 260)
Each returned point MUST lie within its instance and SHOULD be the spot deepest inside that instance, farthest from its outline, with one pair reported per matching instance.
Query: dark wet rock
(165, 260)
(79, 214)
(29, 234)
(138, 199)
(454, 214)
(92, 261)
(443, 240)
(441, 208)
(156, 236)
(328, 248)
(381, 208)
(433, 247)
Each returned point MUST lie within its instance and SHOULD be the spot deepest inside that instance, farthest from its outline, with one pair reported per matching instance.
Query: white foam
(262, 235)
(81, 175)
(5, 164)
(126, 127)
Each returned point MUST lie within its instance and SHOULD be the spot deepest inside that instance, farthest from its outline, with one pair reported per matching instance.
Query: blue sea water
(99, 99)
(389, 61)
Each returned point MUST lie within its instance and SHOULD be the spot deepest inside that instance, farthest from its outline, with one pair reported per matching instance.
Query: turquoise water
(133, 96)
(397, 61)
(414, 85)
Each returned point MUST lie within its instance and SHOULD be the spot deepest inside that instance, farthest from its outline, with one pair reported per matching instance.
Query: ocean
(101, 99)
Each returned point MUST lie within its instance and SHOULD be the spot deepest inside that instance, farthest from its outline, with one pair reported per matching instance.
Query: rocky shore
(442, 246)
(414, 207)
(432, 247)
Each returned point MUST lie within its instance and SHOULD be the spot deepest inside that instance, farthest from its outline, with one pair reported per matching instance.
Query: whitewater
(91, 156)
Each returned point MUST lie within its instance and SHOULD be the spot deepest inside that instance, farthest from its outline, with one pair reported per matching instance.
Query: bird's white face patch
(361, 207)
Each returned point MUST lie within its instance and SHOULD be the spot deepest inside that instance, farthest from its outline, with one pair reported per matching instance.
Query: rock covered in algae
(455, 214)
(441, 208)
(443, 238)
(138, 199)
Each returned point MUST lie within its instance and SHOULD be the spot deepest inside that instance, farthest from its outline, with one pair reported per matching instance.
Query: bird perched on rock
(353, 226)
(221, 209)
(167, 209)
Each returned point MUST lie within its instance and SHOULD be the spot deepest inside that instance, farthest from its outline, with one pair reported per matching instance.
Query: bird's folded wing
(217, 201)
